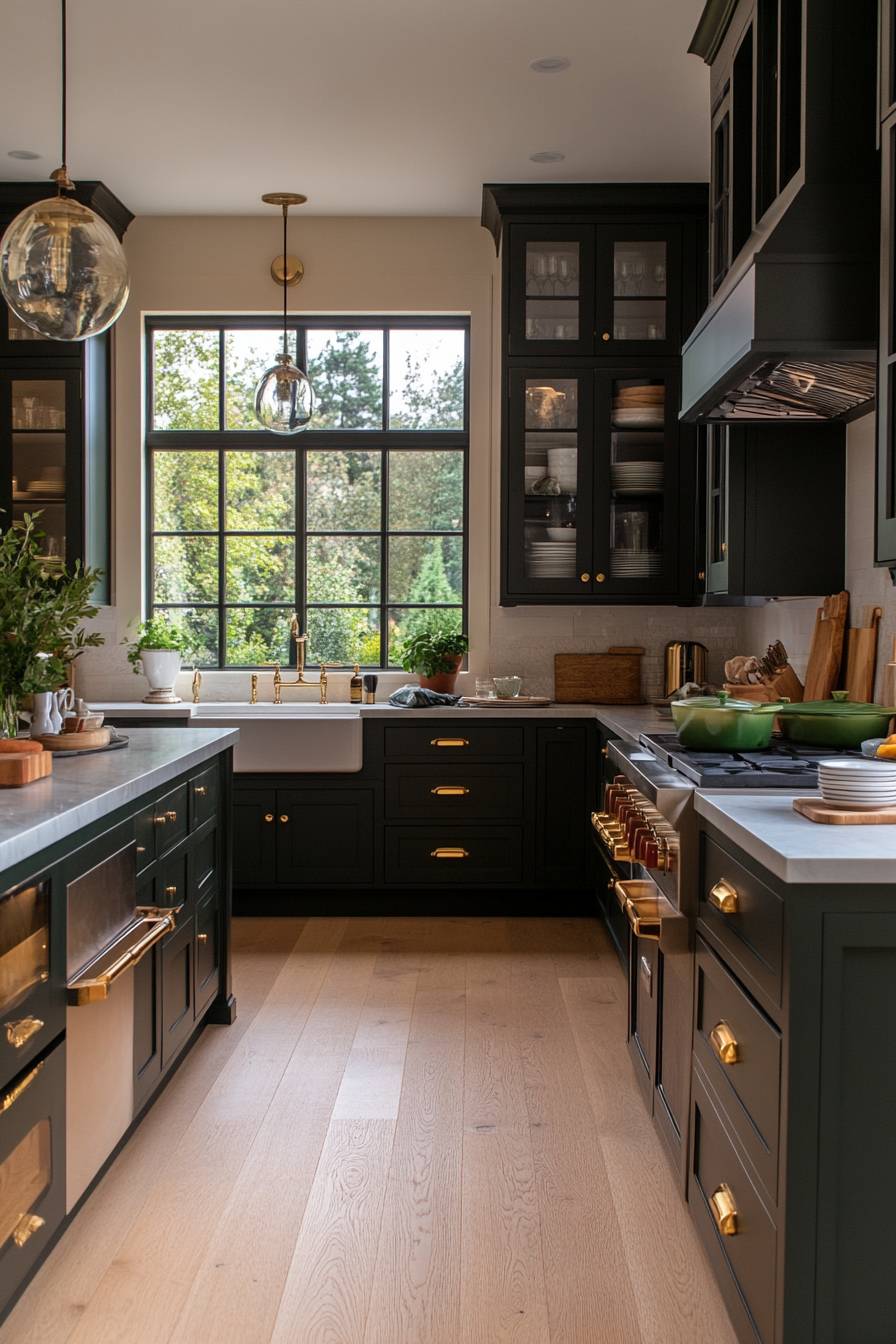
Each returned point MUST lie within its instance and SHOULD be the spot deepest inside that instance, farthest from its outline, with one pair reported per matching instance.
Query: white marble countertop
(83, 789)
(796, 849)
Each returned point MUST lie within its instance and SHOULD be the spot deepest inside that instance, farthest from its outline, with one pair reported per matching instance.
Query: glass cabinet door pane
(552, 291)
(38, 451)
(551, 477)
(637, 477)
(639, 289)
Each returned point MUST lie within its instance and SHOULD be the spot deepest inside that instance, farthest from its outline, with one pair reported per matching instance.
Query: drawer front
(206, 952)
(752, 932)
(204, 862)
(454, 792)
(32, 973)
(172, 887)
(749, 1256)
(203, 797)
(171, 819)
(145, 825)
(740, 1050)
(454, 742)
(484, 854)
(178, 990)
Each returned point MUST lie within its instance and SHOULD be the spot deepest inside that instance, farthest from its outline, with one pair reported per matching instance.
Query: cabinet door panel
(207, 952)
(324, 836)
(147, 1024)
(254, 838)
(472, 792)
(638, 282)
(550, 298)
(563, 806)
(178, 990)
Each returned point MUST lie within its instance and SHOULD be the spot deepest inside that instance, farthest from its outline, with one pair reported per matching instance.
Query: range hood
(793, 338)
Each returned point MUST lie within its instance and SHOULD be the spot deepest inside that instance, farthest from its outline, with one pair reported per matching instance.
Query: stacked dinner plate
(858, 785)
(641, 478)
(635, 564)
(551, 560)
(640, 407)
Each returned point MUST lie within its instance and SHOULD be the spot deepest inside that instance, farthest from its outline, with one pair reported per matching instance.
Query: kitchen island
(114, 954)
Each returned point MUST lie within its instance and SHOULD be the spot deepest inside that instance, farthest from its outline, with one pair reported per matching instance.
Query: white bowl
(562, 533)
(852, 765)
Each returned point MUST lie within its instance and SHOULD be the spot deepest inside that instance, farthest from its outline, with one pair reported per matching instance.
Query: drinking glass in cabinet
(639, 286)
(17, 331)
(637, 471)
(38, 404)
(38, 457)
(551, 478)
(552, 287)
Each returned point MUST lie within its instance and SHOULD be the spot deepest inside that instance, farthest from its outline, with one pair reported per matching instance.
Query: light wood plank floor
(418, 1131)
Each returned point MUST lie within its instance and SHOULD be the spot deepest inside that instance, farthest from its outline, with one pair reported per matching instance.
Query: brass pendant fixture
(284, 397)
(62, 270)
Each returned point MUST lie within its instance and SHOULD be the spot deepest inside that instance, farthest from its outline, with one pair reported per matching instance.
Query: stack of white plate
(635, 564)
(563, 466)
(551, 560)
(635, 417)
(857, 785)
(643, 478)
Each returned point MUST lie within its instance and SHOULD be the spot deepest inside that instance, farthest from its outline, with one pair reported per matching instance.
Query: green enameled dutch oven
(717, 723)
(834, 723)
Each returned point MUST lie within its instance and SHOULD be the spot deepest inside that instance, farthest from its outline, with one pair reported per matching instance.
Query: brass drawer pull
(14, 1093)
(723, 1041)
(449, 742)
(95, 989)
(199, 790)
(172, 816)
(269, 816)
(202, 937)
(20, 1032)
(724, 897)
(284, 817)
(449, 853)
(721, 1201)
(26, 1226)
(160, 821)
(450, 790)
(171, 891)
(645, 923)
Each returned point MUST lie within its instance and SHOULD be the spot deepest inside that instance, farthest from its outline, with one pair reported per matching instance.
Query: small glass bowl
(508, 688)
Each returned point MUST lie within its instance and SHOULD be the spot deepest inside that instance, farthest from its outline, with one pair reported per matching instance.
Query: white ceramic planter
(160, 668)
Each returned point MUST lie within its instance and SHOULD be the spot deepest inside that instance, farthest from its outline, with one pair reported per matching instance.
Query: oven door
(32, 1165)
(32, 990)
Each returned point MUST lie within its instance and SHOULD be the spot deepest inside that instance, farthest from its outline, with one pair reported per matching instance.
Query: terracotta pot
(443, 682)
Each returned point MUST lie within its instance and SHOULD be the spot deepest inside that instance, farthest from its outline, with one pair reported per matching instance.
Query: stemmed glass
(637, 268)
(553, 273)
(659, 275)
(541, 272)
(563, 274)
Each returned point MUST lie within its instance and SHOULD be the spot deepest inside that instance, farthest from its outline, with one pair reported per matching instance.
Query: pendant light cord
(285, 210)
(64, 86)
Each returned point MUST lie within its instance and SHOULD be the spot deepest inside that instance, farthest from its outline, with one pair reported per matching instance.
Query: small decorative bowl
(508, 688)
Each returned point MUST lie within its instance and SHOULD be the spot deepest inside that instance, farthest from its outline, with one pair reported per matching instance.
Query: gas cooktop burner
(784, 765)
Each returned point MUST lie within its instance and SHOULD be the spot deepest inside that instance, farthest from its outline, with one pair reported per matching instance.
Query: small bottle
(354, 687)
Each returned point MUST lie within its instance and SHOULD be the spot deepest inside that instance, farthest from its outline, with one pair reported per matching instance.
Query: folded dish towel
(418, 697)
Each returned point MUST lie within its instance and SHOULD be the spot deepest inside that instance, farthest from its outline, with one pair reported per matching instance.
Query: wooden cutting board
(827, 648)
(612, 678)
(859, 657)
(97, 738)
(888, 684)
(831, 815)
(18, 770)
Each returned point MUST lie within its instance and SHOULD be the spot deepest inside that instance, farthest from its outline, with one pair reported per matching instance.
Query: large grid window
(357, 525)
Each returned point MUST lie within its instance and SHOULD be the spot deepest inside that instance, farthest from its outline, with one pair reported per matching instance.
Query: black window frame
(223, 440)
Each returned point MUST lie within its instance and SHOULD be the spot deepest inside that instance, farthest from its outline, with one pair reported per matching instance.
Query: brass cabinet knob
(606, 335)
(724, 1042)
(172, 816)
(160, 821)
(199, 790)
(171, 891)
(28, 1224)
(605, 751)
(701, 573)
(585, 578)
(141, 849)
(600, 577)
(284, 817)
(449, 790)
(721, 1201)
(269, 816)
(724, 897)
(19, 1033)
(202, 937)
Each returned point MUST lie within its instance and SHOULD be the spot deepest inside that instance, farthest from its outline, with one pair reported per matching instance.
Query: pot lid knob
(723, 696)
(840, 696)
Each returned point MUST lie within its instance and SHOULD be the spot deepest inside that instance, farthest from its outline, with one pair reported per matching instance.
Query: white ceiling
(368, 107)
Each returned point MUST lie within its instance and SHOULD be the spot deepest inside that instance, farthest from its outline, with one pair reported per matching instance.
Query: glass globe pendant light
(284, 397)
(62, 270)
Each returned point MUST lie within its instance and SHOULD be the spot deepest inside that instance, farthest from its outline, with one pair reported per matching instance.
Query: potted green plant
(42, 609)
(157, 654)
(436, 658)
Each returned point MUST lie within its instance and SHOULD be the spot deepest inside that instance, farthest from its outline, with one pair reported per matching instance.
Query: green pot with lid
(838, 722)
(718, 723)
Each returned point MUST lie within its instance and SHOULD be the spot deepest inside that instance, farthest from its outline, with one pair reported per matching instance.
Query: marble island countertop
(83, 789)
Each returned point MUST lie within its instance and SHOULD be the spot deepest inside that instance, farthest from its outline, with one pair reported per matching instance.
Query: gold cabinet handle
(141, 849)
(605, 751)
(160, 821)
(20, 1032)
(28, 1224)
(172, 816)
(269, 816)
(449, 742)
(724, 1042)
(449, 790)
(645, 923)
(284, 817)
(721, 1201)
(449, 853)
(202, 937)
(724, 897)
(95, 989)
(585, 578)
(15, 1092)
(171, 891)
(199, 791)
(600, 577)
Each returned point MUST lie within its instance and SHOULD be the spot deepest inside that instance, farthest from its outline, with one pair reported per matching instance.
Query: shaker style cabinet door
(638, 291)
(550, 299)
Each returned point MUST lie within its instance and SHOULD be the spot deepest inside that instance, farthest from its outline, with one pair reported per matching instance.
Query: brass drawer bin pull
(724, 897)
(28, 1224)
(449, 742)
(449, 791)
(172, 816)
(94, 988)
(721, 1201)
(643, 917)
(12, 1096)
(19, 1033)
(447, 852)
(723, 1041)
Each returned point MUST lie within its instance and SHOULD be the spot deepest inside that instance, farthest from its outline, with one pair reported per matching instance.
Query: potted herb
(436, 657)
(42, 608)
(157, 654)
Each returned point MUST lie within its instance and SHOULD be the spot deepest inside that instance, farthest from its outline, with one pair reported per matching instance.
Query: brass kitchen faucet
(279, 683)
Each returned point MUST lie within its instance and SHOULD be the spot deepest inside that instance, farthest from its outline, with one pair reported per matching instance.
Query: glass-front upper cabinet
(591, 290)
(42, 447)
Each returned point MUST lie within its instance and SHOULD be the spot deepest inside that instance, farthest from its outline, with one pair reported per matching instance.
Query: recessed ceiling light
(23, 154)
(547, 156)
(551, 65)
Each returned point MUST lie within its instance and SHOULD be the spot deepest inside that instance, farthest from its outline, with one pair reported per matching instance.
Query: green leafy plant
(42, 609)
(429, 651)
(159, 632)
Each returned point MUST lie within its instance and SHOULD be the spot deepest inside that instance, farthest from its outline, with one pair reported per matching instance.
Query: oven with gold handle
(651, 915)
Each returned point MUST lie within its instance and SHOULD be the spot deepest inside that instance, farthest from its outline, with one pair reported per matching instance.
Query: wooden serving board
(859, 655)
(93, 741)
(18, 770)
(827, 648)
(816, 809)
(514, 702)
(612, 678)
